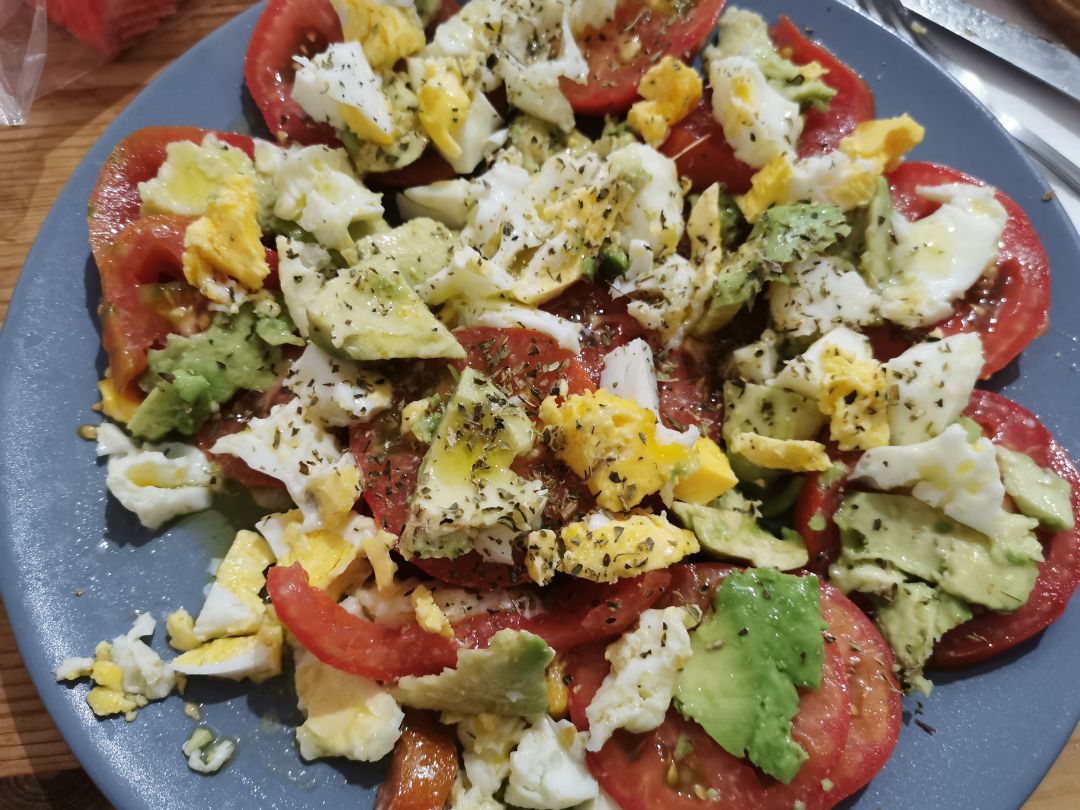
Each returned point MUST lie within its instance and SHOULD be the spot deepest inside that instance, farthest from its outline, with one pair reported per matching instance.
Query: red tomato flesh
(818, 501)
(623, 50)
(115, 200)
(702, 153)
(423, 766)
(1006, 423)
(1008, 307)
(634, 768)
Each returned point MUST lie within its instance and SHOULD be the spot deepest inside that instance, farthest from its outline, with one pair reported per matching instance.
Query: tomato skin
(820, 499)
(287, 28)
(685, 399)
(1007, 310)
(612, 83)
(389, 465)
(702, 153)
(633, 768)
(876, 708)
(852, 104)
(1008, 424)
(423, 766)
(115, 200)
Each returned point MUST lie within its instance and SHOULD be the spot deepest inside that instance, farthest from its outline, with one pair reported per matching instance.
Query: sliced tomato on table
(423, 766)
(853, 103)
(637, 770)
(1009, 306)
(115, 200)
(285, 29)
(1006, 423)
(621, 51)
(577, 613)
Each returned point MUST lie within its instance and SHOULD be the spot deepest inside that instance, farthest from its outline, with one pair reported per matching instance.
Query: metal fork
(892, 14)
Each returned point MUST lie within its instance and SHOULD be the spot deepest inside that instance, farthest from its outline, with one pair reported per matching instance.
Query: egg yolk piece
(604, 551)
(387, 32)
(444, 106)
(669, 90)
(884, 141)
(853, 395)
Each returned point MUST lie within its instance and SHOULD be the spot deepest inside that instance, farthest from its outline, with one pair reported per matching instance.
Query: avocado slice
(762, 640)
(876, 262)
(768, 411)
(370, 312)
(901, 533)
(912, 621)
(507, 678)
(728, 528)
(466, 496)
(418, 249)
(1038, 492)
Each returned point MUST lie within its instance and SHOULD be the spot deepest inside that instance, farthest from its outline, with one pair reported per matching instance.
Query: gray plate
(999, 727)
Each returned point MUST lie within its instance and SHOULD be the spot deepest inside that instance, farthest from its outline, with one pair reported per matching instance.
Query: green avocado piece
(466, 495)
(188, 379)
(1038, 492)
(876, 262)
(901, 533)
(507, 678)
(371, 312)
(762, 640)
(912, 621)
(769, 411)
(418, 249)
(728, 528)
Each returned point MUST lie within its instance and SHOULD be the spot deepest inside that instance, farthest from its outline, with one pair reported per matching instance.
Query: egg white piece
(318, 190)
(505, 314)
(757, 362)
(300, 268)
(822, 294)
(758, 121)
(337, 392)
(144, 672)
(803, 374)
(256, 657)
(191, 174)
(930, 385)
(470, 276)
(447, 201)
(486, 743)
(346, 715)
(645, 663)
(548, 768)
(341, 75)
(227, 613)
(833, 179)
(482, 134)
(156, 482)
(655, 214)
(939, 257)
(948, 472)
(298, 452)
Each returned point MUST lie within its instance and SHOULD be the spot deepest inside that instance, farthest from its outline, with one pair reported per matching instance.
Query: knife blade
(1045, 61)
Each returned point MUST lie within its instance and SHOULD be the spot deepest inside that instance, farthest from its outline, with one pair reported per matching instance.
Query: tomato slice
(1008, 307)
(818, 501)
(634, 768)
(1006, 423)
(522, 362)
(430, 167)
(876, 709)
(702, 153)
(285, 29)
(232, 419)
(621, 52)
(608, 324)
(852, 104)
(423, 767)
(389, 465)
(115, 200)
(685, 396)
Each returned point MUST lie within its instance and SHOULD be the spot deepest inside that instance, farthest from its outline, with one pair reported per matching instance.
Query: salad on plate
(606, 377)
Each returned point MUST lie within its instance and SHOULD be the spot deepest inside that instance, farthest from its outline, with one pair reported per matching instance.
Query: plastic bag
(26, 36)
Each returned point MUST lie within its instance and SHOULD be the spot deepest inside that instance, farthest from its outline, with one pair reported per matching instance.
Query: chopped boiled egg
(346, 715)
(318, 189)
(821, 294)
(300, 269)
(447, 201)
(938, 258)
(190, 176)
(757, 362)
(486, 743)
(322, 480)
(949, 472)
(206, 752)
(853, 394)
(884, 141)
(655, 213)
(444, 104)
(669, 297)
(548, 768)
(156, 482)
(758, 121)
(796, 455)
(603, 549)
(506, 314)
(337, 392)
(233, 606)
(388, 31)
(256, 657)
(805, 373)
(645, 663)
(930, 385)
(542, 556)
(630, 372)
(770, 185)
(339, 87)
(669, 90)
(223, 253)
(429, 615)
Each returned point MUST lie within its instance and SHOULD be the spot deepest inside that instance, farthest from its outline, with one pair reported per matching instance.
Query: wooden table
(36, 768)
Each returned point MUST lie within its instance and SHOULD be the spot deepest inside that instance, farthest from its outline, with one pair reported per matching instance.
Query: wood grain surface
(36, 768)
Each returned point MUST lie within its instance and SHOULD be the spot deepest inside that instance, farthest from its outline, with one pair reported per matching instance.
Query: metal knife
(1050, 64)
